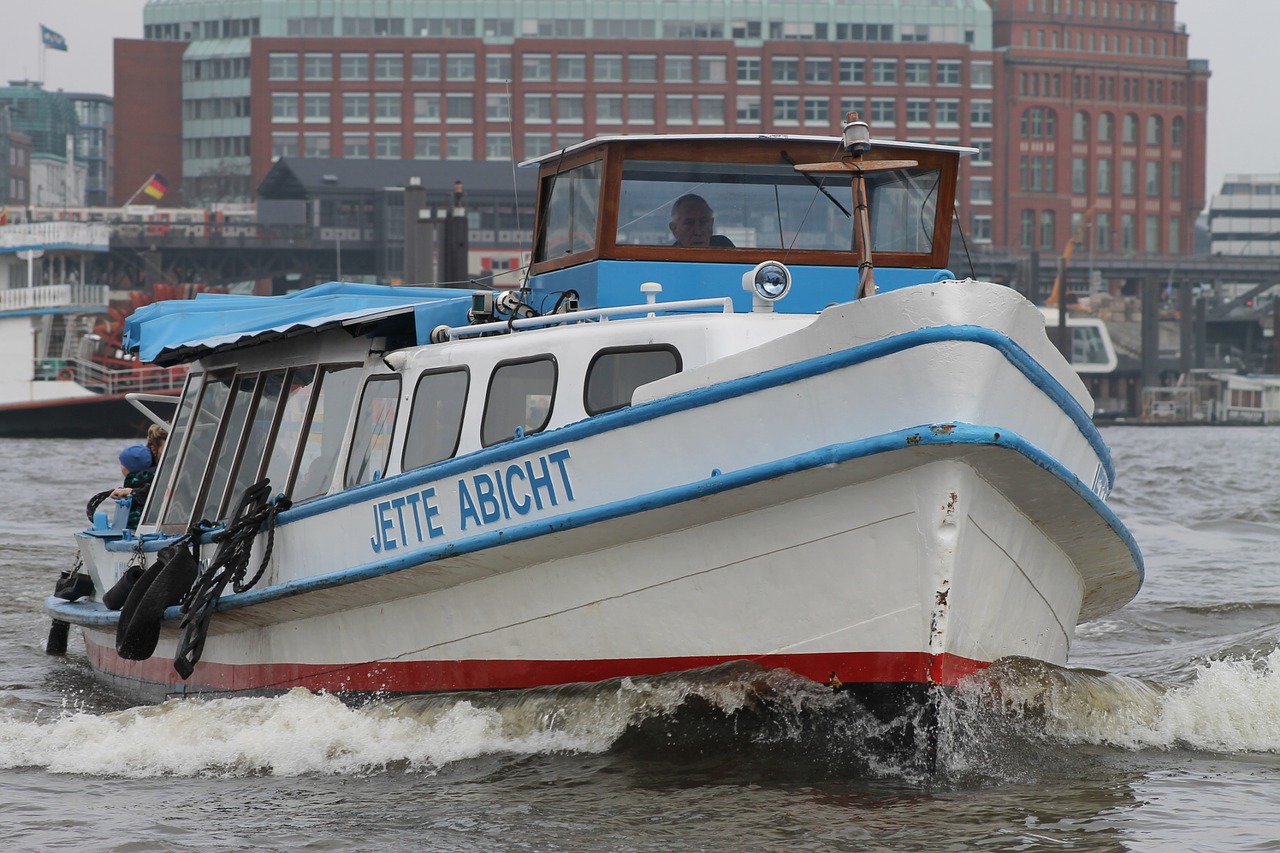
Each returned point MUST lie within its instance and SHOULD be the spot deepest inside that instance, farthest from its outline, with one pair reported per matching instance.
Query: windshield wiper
(818, 184)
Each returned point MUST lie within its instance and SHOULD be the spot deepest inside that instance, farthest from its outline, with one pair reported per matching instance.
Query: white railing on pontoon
(54, 296)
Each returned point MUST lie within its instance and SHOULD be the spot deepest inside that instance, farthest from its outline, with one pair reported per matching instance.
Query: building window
(786, 69)
(980, 190)
(1080, 127)
(948, 112)
(388, 66)
(883, 112)
(355, 66)
(317, 66)
(711, 109)
(1155, 130)
(1175, 232)
(679, 69)
(497, 68)
(1047, 222)
(1079, 175)
(640, 109)
(1175, 180)
(1128, 177)
(949, 72)
(608, 68)
(386, 107)
(711, 69)
(315, 107)
(679, 109)
(426, 107)
(497, 146)
(853, 71)
(458, 146)
(1105, 122)
(983, 157)
(642, 69)
(284, 145)
(1129, 129)
(608, 109)
(315, 145)
(537, 108)
(980, 113)
(981, 75)
(1175, 132)
(817, 111)
(571, 68)
(284, 107)
(283, 66)
(426, 146)
(918, 112)
(355, 107)
(1128, 233)
(1104, 176)
(386, 146)
(1028, 229)
(1151, 235)
(817, 70)
(355, 145)
(854, 105)
(460, 66)
(426, 66)
(884, 71)
(916, 72)
(459, 108)
(748, 108)
(786, 110)
(1153, 179)
(749, 69)
(981, 228)
(537, 144)
(1102, 232)
(569, 109)
(497, 107)
(536, 67)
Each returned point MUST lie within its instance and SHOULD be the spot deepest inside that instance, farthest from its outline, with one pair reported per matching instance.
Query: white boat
(59, 378)
(652, 458)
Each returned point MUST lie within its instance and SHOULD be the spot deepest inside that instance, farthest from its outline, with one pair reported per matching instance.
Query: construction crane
(1078, 237)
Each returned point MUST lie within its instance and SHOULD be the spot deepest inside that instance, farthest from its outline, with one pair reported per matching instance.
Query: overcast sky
(1238, 37)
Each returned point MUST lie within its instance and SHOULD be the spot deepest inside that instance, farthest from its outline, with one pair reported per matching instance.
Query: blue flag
(51, 39)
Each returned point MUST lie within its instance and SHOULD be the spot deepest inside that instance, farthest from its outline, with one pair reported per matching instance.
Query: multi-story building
(15, 168)
(1105, 136)
(496, 80)
(48, 119)
(1244, 217)
(94, 145)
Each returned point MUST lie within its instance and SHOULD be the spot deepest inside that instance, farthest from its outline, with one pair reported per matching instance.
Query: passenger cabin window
(571, 214)
(520, 396)
(160, 486)
(326, 431)
(765, 205)
(615, 374)
(202, 432)
(251, 458)
(228, 450)
(371, 435)
(435, 421)
(293, 417)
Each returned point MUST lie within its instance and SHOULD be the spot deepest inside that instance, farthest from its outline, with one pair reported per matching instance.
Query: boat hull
(93, 416)
(761, 511)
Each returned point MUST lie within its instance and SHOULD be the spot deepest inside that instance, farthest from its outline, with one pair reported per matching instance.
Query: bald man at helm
(692, 222)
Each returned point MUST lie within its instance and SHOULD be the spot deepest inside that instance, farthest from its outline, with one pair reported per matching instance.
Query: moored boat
(791, 436)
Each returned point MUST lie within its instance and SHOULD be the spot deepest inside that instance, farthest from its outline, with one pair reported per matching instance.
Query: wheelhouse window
(202, 432)
(265, 408)
(160, 486)
(614, 375)
(242, 394)
(520, 397)
(763, 205)
(292, 419)
(435, 421)
(571, 214)
(326, 429)
(372, 432)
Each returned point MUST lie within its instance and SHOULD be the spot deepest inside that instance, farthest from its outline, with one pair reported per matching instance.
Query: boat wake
(1002, 725)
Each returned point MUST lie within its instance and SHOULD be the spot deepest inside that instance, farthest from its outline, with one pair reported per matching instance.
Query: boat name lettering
(484, 497)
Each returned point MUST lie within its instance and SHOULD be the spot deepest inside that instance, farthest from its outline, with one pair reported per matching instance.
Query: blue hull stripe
(958, 434)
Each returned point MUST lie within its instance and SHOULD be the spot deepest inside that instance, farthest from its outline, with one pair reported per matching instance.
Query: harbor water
(1164, 733)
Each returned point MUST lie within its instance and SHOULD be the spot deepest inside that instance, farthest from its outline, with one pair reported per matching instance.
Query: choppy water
(1165, 734)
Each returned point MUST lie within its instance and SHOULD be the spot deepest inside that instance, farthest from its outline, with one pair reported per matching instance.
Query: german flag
(156, 187)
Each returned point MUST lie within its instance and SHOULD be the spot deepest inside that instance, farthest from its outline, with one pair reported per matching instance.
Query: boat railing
(106, 379)
(54, 296)
(86, 236)
(448, 333)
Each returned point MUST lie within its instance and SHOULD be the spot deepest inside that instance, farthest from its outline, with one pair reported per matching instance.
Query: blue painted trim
(741, 386)
(923, 436)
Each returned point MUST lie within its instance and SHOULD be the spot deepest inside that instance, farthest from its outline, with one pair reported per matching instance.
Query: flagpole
(137, 192)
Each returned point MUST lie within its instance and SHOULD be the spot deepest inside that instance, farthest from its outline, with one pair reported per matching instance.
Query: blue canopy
(185, 329)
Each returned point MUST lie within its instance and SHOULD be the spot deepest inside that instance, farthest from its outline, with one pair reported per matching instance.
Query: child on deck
(138, 466)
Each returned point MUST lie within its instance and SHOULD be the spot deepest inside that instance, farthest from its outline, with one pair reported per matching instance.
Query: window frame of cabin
(489, 396)
(364, 428)
(258, 458)
(622, 351)
(410, 433)
(320, 396)
(228, 447)
(175, 447)
(615, 152)
(193, 478)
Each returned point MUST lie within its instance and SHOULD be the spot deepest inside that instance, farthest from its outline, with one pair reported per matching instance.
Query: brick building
(493, 80)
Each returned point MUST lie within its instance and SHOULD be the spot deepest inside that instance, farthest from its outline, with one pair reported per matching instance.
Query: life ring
(66, 374)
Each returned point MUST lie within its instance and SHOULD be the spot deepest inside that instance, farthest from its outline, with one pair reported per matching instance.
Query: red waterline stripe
(431, 676)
